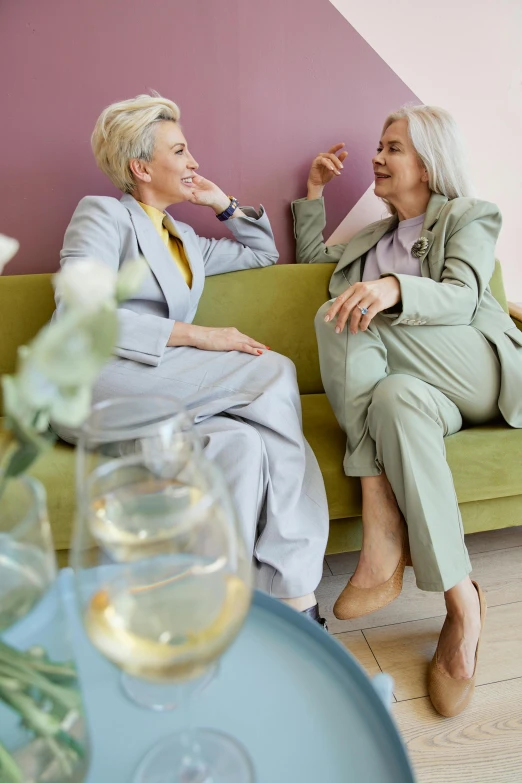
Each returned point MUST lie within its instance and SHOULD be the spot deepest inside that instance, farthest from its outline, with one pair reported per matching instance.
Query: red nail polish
(259, 353)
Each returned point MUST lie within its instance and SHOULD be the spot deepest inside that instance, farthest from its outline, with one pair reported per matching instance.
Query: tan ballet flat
(449, 696)
(358, 601)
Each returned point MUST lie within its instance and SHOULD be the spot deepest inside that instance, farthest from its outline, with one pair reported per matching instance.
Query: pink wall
(262, 86)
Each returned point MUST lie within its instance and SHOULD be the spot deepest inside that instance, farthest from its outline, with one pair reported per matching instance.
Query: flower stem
(10, 772)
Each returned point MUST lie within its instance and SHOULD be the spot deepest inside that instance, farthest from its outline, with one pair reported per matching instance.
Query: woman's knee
(319, 316)
(394, 393)
(248, 444)
(229, 439)
(277, 368)
(323, 328)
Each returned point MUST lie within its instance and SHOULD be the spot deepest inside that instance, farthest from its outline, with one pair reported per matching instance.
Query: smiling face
(400, 176)
(167, 178)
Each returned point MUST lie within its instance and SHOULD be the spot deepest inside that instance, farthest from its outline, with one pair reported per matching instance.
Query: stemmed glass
(161, 571)
(27, 559)
(43, 736)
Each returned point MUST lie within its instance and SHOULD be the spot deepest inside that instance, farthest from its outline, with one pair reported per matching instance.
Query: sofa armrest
(515, 311)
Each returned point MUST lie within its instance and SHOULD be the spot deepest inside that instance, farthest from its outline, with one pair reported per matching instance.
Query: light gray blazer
(115, 231)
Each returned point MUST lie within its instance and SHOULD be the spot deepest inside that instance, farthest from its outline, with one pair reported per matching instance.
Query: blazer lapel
(359, 245)
(428, 265)
(169, 277)
(193, 255)
(363, 242)
(368, 238)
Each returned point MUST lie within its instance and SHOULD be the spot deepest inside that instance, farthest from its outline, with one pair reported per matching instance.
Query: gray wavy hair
(437, 140)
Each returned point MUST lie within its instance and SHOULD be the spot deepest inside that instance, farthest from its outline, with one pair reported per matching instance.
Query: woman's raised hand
(325, 167)
(207, 194)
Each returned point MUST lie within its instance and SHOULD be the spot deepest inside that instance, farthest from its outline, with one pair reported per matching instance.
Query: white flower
(130, 278)
(85, 285)
(8, 248)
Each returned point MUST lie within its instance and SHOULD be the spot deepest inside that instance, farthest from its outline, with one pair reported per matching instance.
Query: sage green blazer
(456, 267)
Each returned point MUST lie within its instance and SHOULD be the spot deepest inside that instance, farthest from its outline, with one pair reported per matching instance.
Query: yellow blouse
(175, 245)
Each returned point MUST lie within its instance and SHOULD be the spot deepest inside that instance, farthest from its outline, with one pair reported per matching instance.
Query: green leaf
(15, 405)
(21, 459)
(26, 435)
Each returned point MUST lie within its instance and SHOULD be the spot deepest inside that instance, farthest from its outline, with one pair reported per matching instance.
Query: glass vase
(43, 737)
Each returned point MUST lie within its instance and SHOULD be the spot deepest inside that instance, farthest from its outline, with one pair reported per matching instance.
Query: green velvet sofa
(277, 306)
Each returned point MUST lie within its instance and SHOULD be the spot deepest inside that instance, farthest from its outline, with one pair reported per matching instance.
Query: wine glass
(27, 559)
(161, 571)
(125, 425)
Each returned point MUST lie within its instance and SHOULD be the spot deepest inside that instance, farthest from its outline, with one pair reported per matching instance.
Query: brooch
(419, 247)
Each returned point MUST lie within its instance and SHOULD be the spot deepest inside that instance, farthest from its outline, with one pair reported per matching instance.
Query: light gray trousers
(397, 391)
(248, 411)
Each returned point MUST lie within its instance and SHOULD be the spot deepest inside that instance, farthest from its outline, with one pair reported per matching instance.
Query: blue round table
(297, 700)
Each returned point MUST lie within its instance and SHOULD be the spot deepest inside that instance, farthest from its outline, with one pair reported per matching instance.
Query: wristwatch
(229, 211)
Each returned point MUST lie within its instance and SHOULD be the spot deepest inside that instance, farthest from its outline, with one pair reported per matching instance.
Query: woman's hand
(375, 295)
(209, 338)
(206, 194)
(325, 167)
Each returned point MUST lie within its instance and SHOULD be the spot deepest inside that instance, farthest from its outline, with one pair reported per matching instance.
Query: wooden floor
(484, 743)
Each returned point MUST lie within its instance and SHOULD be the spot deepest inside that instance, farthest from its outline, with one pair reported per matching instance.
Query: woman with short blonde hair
(412, 347)
(243, 397)
(125, 131)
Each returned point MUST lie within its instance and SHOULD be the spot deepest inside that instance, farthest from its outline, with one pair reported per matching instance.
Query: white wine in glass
(163, 579)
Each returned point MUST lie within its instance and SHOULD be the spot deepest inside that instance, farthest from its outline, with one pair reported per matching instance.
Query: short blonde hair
(125, 130)
(436, 138)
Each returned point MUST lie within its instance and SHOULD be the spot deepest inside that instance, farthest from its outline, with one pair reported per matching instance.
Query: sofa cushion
(485, 461)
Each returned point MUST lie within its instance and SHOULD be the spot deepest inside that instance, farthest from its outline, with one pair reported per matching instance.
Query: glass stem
(193, 768)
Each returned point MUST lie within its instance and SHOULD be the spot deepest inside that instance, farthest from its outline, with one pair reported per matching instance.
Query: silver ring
(363, 310)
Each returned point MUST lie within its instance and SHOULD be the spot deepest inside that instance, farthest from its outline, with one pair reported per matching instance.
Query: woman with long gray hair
(412, 347)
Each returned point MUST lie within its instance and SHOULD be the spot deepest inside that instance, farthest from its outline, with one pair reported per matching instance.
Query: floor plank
(489, 541)
(481, 745)
(492, 540)
(404, 650)
(499, 574)
(345, 563)
(355, 642)
(326, 569)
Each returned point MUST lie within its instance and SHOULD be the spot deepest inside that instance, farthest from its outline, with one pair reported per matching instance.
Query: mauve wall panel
(262, 85)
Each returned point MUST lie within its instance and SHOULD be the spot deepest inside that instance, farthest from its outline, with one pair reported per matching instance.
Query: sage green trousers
(397, 391)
